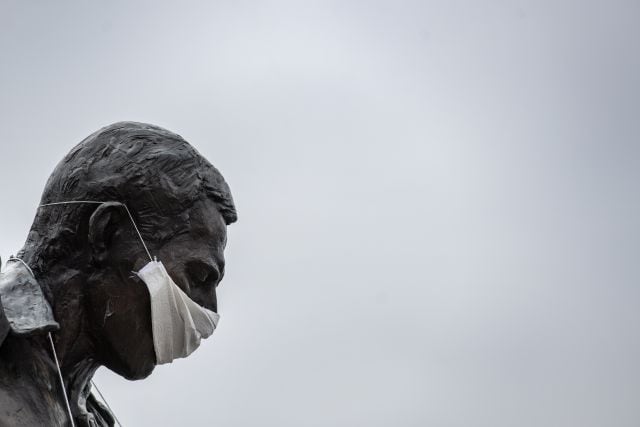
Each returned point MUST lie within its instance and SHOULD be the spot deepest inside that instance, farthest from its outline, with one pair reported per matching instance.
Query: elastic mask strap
(13, 258)
(64, 390)
(77, 202)
(106, 403)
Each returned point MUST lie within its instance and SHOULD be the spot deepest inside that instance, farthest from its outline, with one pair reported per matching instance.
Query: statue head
(84, 254)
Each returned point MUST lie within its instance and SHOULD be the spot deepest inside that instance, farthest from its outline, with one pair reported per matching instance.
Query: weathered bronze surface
(77, 281)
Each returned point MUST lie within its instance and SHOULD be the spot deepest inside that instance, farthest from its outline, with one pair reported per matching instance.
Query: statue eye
(203, 274)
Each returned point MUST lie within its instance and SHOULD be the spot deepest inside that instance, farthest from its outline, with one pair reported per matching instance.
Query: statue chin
(138, 374)
(132, 371)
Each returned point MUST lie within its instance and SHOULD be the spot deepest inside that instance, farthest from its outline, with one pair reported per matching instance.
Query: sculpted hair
(156, 173)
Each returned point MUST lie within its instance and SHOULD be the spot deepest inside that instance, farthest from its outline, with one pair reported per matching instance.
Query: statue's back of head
(152, 170)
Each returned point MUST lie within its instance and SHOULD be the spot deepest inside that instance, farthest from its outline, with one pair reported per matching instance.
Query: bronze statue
(74, 276)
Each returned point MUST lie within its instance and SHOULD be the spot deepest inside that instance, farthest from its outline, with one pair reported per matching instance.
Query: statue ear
(104, 223)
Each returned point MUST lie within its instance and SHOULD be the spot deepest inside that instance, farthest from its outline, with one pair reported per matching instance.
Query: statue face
(118, 301)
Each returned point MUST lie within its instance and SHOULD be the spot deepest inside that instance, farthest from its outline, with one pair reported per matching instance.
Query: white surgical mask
(178, 323)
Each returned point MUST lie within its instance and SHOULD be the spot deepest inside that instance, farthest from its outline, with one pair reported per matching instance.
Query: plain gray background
(439, 209)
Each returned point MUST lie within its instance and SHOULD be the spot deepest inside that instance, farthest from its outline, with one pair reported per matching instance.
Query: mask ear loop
(55, 356)
(64, 389)
(138, 231)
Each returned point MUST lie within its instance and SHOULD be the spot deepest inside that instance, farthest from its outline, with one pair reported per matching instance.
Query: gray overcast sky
(439, 213)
